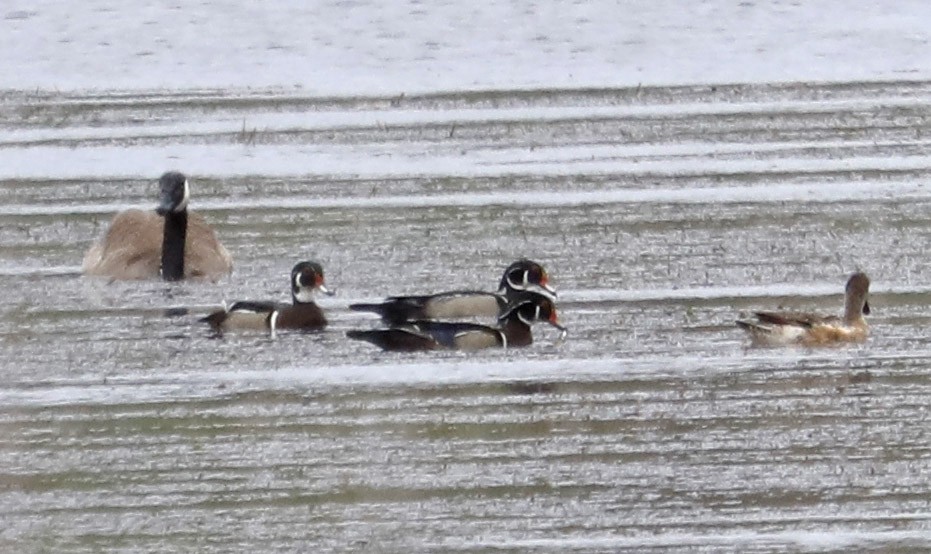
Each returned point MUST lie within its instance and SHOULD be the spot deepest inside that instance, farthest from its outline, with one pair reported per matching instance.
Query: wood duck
(520, 277)
(513, 330)
(170, 242)
(806, 329)
(303, 313)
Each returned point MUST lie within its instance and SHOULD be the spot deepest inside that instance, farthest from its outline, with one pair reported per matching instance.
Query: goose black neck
(173, 245)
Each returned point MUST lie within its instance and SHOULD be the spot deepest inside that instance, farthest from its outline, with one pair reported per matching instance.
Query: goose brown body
(131, 248)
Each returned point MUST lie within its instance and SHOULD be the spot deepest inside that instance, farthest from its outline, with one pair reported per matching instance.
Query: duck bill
(545, 285)
(322, 288)
(563, 331)
(542, 289)
(866, 308)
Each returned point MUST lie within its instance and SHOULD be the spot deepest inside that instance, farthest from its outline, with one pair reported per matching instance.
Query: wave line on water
(314, 121)
(834, 538)
(398, 161)
(762, 194)
(422, 371)
(775, 290)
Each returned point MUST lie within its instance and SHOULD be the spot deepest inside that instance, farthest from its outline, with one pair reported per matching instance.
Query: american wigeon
(806, 329)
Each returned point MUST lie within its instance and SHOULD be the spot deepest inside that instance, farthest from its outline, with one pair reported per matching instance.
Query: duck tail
(374, 336)
(746, 325)
(215, 319)
(751, 326)
(392, 313)
(375, 308)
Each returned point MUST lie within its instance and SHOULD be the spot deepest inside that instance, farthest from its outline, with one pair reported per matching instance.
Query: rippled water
(353, 47)
(661, 213)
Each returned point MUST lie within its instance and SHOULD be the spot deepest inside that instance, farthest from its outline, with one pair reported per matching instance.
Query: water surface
(661, 213)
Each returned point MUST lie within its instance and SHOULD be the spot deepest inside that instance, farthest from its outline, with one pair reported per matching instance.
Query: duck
(171, 242)
(520, 277)
(807, 329)
(513, 330)
(302, 314)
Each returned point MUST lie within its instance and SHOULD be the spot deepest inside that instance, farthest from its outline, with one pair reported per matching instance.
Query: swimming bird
(303, 313)
(513, 330)
(171, 242)
(806, 329)
(519, 277)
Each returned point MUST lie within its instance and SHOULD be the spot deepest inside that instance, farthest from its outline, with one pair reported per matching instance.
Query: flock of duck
(174, 243)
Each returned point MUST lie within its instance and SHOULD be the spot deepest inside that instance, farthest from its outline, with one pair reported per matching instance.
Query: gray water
(662, 213)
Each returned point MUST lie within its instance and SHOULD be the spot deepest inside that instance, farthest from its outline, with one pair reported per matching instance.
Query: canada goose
(519, 277)
(171, 241)
(303, 313)
(513, 330)
(806, 329)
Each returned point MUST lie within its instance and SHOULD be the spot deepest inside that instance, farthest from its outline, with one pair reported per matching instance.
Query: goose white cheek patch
(184, 199)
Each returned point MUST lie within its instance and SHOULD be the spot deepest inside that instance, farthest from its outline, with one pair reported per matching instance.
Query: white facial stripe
(520, 316)
(272, 323)
(524, 283)
(185, 199)
(543, 291)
